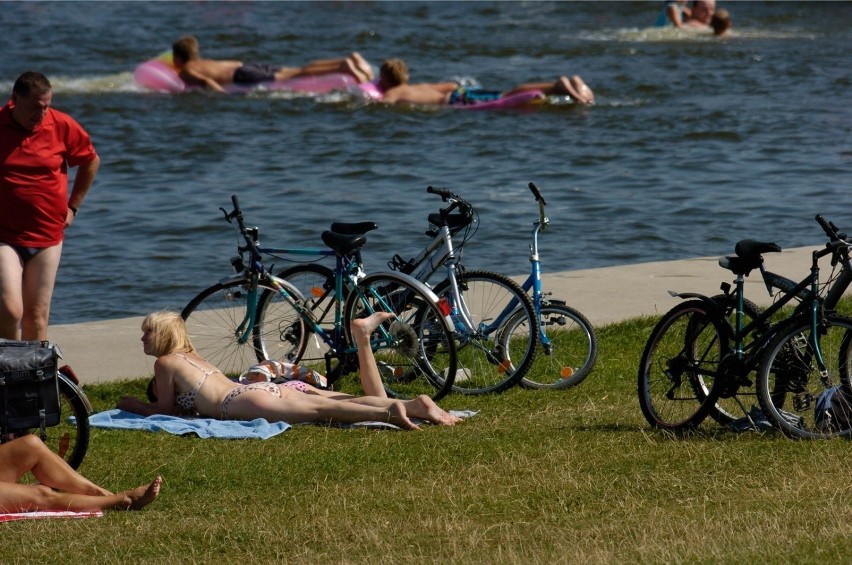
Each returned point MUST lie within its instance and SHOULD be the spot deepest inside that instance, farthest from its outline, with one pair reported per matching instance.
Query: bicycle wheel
(726, 410)
(415, 352)
(70, 437)
(679, 366)
(571, 351)
(487, 363)
(790, 383)
(316, 284)
(213, 322)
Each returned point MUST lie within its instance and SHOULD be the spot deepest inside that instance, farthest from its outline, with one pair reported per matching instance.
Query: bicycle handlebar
(442, 192)
(837, 244)
(251, 244)
(537, 193)
(830, 229)
(455, 200)
(542, 217)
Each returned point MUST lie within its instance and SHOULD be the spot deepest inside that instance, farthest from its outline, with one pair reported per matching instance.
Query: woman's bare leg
(354, 65)
(362, 328)
(29, 498)
(297, 407)
(574, 87)
(29, 454)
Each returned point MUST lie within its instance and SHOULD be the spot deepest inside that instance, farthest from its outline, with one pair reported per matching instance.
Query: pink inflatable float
(159, 74)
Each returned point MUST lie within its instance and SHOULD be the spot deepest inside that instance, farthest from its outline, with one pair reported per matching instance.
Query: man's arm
(82, 183)
(194, 77)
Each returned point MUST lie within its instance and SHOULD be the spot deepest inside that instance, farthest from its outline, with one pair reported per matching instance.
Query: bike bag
(29, 385)
(833, 411)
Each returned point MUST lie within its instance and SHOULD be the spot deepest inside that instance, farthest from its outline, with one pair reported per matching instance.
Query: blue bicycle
(569, 346)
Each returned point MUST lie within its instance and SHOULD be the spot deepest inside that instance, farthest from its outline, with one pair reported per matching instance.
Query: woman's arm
(164, 385)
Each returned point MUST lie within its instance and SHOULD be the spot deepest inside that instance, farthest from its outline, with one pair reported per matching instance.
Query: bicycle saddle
(343, 244)
(749, 256)
(357, 228)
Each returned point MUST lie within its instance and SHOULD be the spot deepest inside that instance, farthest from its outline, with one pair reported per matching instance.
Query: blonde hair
(169, 333)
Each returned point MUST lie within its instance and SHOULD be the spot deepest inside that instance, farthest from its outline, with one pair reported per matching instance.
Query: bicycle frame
(533, 281)
(348, 272)
(807, 291)
(441, 252)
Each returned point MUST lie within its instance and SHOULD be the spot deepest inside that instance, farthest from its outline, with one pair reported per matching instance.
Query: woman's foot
(578, 90)
(397, 416)
(140, 497)
(425, 408)
(362, 70)
(364, 327)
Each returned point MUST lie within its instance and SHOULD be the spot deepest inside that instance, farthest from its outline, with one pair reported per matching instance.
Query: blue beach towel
(200, 427)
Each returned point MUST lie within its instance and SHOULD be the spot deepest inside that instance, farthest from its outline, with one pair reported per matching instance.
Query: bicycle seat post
(740, 290)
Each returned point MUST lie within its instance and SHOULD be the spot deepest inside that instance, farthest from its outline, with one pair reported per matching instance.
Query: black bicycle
(703, 352)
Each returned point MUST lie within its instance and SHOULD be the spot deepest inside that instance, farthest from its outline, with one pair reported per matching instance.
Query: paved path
(110, 350)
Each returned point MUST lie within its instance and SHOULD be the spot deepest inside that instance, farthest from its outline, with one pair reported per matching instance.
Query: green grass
(572, 476)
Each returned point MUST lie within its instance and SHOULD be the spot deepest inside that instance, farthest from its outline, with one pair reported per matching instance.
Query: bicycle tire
(789, 381)
(677, 373)
(214, 316)
(726, 410)
(70, 437)
(486, 366)
(572, 350)
(419, 356)
(316, 284)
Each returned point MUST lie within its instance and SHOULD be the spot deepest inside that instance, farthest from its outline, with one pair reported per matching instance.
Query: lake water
(695, 142)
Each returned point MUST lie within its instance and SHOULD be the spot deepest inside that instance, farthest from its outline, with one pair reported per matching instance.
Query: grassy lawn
(572, 476)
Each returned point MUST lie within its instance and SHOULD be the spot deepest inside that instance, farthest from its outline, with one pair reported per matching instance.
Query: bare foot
(397, 416)
(576, 89)
(364, 68)
(425, 408)
(366, 326)
(141, 497)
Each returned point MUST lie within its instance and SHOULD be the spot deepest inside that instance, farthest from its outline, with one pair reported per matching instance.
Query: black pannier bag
(29, 385)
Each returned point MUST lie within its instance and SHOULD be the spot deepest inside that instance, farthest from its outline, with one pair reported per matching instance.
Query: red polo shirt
(34, 176)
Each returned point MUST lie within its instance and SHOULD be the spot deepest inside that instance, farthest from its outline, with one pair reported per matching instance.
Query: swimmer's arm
(194, 77)
(674, 15)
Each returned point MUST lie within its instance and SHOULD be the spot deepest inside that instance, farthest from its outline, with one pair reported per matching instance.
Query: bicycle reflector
(444, 308)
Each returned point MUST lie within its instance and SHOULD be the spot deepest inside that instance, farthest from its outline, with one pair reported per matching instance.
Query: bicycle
(695, 355)
(480, 301)
(254, 315)
(833, 290)
(69, 436)
(568, 340)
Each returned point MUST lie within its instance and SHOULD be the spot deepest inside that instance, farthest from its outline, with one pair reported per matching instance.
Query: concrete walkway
(110, 350)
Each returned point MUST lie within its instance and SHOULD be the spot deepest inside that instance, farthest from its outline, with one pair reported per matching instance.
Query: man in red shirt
(37, 146)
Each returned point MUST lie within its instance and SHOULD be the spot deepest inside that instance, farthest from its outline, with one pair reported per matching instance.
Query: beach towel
(200, 427)
(12, 517)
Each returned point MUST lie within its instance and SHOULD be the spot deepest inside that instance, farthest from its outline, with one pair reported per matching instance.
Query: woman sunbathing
(185, 383)
(73, 491)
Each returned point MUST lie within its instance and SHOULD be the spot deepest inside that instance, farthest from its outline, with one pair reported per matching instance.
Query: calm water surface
(695, 142)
